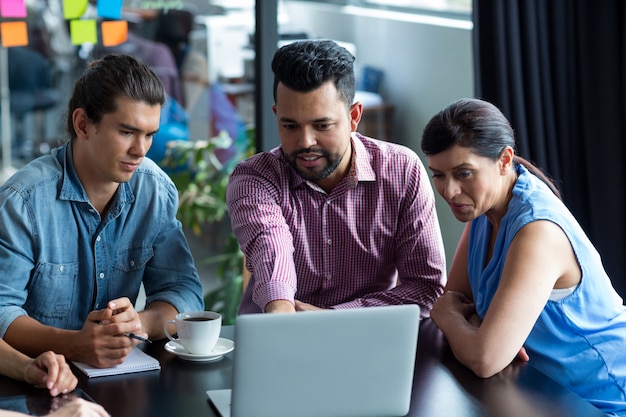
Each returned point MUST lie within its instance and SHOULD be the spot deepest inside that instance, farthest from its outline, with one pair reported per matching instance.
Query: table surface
(441, 387)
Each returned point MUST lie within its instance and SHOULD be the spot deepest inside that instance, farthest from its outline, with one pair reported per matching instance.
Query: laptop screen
(339, 363)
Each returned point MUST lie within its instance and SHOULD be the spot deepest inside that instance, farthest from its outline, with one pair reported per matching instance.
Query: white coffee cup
(198, 331)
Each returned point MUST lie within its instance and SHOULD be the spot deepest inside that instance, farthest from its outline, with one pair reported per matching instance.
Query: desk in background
(377, 122)
(441, 387)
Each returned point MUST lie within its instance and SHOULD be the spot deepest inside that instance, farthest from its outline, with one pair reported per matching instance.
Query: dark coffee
(197, 319)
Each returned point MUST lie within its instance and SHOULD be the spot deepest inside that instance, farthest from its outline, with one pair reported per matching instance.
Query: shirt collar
(71, 187)
(361, 166)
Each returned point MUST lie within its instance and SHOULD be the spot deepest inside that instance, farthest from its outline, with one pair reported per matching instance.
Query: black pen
(134, 336)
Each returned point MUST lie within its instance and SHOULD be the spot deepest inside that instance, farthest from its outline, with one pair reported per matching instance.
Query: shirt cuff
(271, 291)
(8, 315)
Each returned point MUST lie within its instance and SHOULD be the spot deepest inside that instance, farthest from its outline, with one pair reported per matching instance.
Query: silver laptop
(331, 363)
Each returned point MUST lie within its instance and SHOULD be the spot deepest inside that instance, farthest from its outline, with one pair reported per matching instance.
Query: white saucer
(222, 347)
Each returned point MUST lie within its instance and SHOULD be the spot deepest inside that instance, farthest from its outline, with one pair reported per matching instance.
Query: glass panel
(447, 7)
(450, 6)
(201, 49)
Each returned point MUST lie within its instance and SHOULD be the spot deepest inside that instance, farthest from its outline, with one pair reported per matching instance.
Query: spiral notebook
(136, 361)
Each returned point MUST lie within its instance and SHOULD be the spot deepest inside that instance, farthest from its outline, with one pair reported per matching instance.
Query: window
(442, 6)
(448, 8)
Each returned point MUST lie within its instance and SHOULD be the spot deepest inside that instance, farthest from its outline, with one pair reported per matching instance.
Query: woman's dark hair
(305, 65)
(480, 126)
(108, 79)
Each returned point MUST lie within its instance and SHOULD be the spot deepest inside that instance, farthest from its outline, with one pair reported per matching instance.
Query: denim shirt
(59, 259)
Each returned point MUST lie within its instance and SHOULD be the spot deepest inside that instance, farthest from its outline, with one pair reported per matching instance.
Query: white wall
(427, 63)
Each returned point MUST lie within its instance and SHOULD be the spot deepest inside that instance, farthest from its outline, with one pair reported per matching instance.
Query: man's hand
(50, 371)
(105, 333)
(284, 306)
(302, 306)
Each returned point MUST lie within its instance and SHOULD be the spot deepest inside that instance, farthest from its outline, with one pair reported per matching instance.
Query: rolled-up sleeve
(16, 260)
(259, 225)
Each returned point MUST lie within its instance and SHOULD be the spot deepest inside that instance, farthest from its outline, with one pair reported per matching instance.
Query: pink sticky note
(13, 8)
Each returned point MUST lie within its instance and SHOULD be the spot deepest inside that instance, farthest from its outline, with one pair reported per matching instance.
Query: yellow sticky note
(14, 34)
(83, 31)
(114, 32)
(73, 9)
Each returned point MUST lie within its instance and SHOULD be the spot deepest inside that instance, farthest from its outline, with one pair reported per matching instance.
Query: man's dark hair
(108, 79)
(305, 65)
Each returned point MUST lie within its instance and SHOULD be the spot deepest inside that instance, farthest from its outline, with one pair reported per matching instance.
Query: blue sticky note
(111, 9)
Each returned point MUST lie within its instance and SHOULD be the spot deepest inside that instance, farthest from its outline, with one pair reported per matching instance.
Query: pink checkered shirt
(373, 240)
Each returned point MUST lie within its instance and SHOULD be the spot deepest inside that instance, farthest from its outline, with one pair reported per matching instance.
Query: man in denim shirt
(81, 229)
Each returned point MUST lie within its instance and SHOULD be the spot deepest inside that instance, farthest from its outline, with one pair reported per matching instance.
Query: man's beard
(332, 162)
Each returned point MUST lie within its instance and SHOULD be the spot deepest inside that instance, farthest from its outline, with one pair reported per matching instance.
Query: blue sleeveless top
(579, 341)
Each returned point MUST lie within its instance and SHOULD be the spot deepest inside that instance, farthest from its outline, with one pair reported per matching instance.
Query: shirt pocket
(133, 258)
(128, 270)
(52, 293)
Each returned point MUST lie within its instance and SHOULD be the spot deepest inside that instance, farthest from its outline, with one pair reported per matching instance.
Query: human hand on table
(50, 371)
(452, 304)
(302, 306)
(77, 407)
(284, 306)
(104, 336)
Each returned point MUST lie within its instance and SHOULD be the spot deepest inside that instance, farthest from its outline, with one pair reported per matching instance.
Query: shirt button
(98, 239)
(61, 268)
(329, 241)
(328, 277)
(101, 274)
(132, 263)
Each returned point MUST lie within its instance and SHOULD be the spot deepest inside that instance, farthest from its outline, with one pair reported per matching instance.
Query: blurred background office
(413, 57)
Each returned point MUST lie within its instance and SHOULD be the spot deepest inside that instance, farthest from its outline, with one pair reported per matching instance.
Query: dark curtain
(557, 69)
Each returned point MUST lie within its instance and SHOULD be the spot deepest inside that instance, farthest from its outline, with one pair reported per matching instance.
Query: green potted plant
(201, 181)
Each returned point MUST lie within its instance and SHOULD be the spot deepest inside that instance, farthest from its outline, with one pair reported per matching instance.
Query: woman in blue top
(525, 279)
